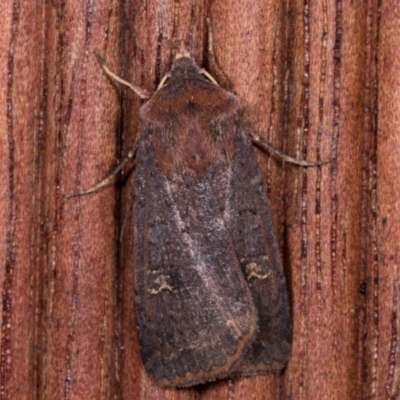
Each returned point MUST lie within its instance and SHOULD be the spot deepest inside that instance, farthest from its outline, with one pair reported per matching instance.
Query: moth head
(182, 54)
(185, 68)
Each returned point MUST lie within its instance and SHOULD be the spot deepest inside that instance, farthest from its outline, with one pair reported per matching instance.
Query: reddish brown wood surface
(320, 80)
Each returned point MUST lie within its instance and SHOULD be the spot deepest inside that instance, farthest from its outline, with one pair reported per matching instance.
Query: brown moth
(211, 296)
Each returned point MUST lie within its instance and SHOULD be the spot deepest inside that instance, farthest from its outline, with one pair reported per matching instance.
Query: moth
(211, 295)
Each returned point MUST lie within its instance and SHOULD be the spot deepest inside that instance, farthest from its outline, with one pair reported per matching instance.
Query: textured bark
(319, 80)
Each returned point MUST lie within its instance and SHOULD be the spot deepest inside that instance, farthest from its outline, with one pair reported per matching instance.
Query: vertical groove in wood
(387, 217)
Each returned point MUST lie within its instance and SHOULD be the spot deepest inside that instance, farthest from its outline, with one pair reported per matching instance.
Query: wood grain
(320, 80)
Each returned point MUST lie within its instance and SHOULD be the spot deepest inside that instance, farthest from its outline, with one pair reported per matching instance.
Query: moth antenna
(108, 179)
(212, 63)
(267, 146)
(210, 77)
(163, 80)
(142, 93)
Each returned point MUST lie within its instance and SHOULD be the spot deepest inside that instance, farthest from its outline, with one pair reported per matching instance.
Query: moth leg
(267, 146)
(129, 211)
(224, 82)
(212, 63)
(142, 93)
(107, 179)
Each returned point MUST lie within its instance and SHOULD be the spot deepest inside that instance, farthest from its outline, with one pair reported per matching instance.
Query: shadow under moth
(211, 296)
